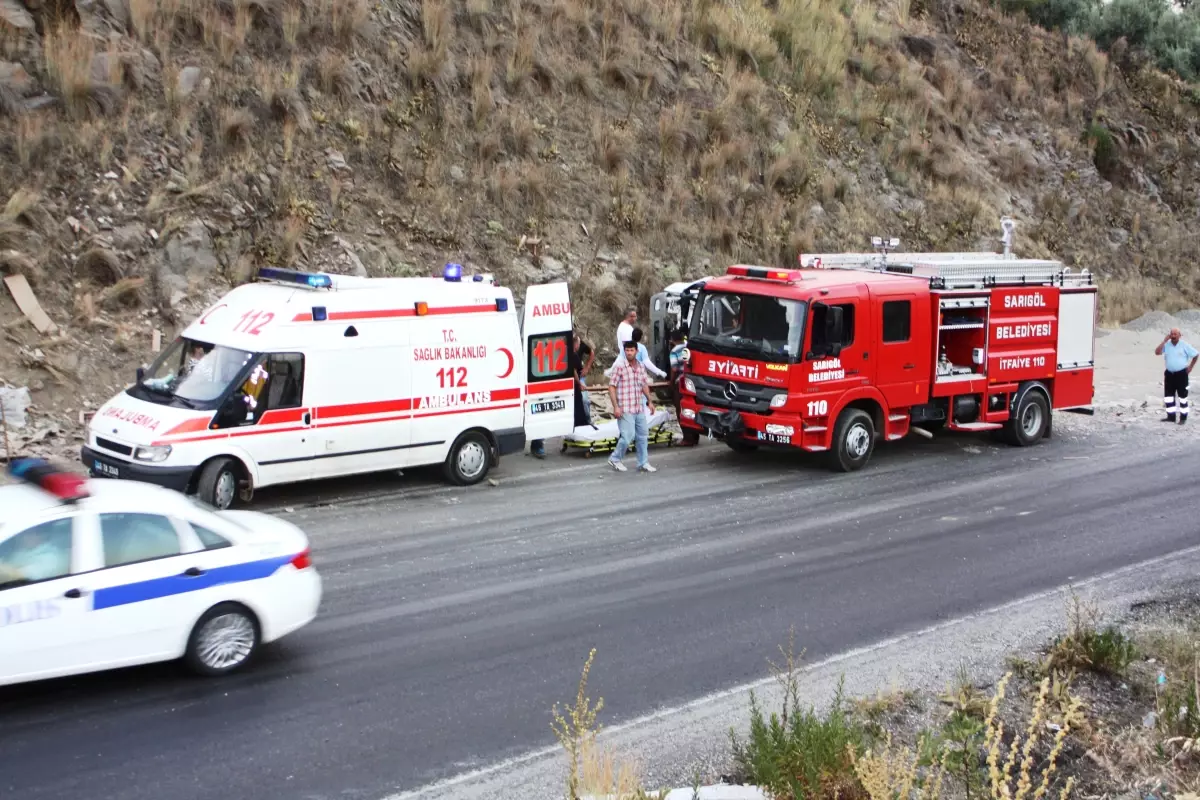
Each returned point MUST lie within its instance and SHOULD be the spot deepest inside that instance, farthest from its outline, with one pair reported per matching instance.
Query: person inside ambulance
(191, 372)
(34, 556)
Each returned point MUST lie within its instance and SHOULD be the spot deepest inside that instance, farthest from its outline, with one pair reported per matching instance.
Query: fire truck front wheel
(853, 440)
(469, 459)
(1031, 417)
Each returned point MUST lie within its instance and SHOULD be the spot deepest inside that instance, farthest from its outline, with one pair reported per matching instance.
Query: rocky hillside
(155, 152)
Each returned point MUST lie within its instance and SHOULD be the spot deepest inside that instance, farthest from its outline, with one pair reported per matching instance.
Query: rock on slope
(157, 151)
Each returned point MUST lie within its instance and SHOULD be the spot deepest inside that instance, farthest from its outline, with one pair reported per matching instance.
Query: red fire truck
(857, 347)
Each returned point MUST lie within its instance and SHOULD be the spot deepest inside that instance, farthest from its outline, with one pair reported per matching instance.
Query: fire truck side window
(827, 337)
(897, 320)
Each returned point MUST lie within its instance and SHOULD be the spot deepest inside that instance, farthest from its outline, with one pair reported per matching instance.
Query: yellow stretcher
(602, 437)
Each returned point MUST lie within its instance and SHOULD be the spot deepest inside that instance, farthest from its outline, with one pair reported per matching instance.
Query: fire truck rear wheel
(469, 459)
(1027, 426)
(853, 440)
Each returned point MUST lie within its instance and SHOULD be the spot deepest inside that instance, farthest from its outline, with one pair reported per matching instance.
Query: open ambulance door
(550, 385)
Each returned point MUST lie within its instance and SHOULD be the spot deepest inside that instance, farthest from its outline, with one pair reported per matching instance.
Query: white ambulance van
(300, 376)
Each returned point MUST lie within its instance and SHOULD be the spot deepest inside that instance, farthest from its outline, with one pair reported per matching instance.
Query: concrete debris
(13, 403)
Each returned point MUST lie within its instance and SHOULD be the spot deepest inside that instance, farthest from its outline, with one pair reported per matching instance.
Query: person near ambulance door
(629, 390)
(678, 343)
(582, 356)
(1179, 358)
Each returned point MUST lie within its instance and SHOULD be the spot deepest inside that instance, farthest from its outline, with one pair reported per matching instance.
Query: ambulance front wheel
(469, 459)
(853, 440)
(218, 483)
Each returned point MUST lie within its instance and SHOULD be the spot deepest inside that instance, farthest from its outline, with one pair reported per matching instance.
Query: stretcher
(603, 435)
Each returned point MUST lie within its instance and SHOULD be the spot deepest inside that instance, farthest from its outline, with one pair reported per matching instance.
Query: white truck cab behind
(302, 376)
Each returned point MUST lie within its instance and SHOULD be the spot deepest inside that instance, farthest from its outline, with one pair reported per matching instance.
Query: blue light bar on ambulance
(453, 272)
(781, 275)
(66, 486)
(310, 279)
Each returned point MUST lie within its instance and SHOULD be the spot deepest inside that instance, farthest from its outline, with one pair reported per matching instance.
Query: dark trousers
(1175, 384)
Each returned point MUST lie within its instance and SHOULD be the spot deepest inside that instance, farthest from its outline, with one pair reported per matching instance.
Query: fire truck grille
(721, 393)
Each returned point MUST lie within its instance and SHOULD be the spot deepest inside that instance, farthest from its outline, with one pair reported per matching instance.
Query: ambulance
(301, 376)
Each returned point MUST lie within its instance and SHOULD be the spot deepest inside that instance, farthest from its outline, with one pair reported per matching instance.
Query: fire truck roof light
(65, 486)
(453, 272)
(782, 275)
(312, 280)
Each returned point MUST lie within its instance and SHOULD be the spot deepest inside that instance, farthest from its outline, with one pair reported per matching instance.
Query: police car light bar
(310, 279)
(66, 486)
(781, 275)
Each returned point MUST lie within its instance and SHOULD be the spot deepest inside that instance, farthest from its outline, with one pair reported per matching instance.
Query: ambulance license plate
(549, 405)
(774, 438)
(105, 470)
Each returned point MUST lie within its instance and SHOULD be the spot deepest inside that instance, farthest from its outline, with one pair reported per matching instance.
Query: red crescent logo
(211, 311)
(512, 362)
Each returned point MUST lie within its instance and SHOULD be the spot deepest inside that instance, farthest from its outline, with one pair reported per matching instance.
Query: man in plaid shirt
(629, 390)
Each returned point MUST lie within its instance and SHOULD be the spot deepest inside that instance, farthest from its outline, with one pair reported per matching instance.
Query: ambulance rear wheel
(469, 459)
(853, 440)
(1028, 424)
(218, 483)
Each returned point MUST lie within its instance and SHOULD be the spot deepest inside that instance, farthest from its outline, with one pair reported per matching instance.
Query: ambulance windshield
(191, 373)
(748, 325)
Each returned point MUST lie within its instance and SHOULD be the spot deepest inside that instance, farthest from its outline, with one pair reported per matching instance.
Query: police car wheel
(853, 440)
(225, 638)
(218, 483)
(469, 459)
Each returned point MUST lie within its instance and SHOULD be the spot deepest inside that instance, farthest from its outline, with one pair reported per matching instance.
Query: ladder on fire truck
(949, 271)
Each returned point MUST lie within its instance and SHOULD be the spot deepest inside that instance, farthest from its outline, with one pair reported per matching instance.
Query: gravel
(1154, 321)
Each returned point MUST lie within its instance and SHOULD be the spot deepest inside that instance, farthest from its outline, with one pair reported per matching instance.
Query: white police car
(96, 575)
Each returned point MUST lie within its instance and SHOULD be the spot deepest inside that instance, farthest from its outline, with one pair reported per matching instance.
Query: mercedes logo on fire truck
(730, 391)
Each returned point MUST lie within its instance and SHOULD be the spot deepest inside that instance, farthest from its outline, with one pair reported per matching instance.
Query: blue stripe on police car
(157, 588)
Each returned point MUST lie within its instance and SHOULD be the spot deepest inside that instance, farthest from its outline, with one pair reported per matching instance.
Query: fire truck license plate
(774, 438)
(549, 405)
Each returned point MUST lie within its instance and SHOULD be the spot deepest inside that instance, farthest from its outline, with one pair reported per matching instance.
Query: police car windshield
(192, 373)
(748, 325)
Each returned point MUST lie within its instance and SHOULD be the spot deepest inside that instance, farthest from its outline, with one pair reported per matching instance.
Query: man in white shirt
(625, 330)
(643, 355)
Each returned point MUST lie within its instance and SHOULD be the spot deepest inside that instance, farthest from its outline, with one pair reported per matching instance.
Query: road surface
(455, 618)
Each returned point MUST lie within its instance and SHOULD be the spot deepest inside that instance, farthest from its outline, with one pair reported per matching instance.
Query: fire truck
(854, 348)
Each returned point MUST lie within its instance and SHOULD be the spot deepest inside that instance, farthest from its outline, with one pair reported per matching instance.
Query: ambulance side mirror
(141, 374)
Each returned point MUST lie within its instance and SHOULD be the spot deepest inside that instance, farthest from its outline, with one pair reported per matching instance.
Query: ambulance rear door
(550, 384)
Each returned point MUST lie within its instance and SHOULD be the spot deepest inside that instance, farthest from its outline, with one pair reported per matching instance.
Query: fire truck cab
(855, 347)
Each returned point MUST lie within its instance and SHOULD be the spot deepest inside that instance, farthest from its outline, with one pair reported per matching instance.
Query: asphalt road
(454, 618)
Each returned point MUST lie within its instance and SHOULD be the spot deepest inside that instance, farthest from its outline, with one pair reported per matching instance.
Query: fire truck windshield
(748, 325)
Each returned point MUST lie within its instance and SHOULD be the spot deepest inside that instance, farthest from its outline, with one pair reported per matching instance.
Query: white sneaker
(617, 465)
(647, 468)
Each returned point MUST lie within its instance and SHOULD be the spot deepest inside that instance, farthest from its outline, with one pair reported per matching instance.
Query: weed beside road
(1107, 709)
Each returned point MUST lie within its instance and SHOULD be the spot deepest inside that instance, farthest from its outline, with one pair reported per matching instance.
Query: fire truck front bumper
(733, 425)
(721, 423)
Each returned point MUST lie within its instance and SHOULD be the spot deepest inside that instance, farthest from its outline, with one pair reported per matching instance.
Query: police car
(96, 575)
